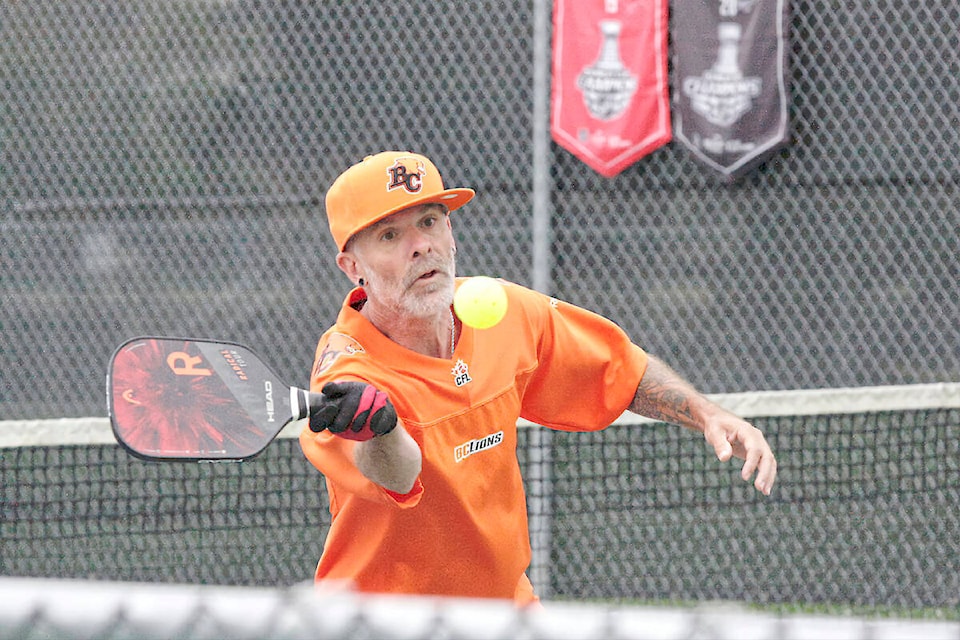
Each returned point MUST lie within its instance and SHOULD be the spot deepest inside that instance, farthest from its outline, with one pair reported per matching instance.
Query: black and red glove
(352, 410)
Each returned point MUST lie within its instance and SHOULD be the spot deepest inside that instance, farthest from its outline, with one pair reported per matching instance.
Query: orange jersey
(462, 530)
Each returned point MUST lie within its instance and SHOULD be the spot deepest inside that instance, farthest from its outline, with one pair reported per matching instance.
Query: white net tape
(751, 404)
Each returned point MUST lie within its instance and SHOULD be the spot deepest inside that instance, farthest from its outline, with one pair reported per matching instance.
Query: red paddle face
(176, 399)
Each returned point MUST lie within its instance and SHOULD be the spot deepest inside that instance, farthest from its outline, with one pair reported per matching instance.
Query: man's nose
(421, 243)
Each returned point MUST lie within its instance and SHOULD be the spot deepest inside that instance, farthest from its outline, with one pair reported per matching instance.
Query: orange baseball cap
(382, 185)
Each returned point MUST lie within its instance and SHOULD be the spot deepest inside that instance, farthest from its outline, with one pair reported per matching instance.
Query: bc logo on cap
(410, 182)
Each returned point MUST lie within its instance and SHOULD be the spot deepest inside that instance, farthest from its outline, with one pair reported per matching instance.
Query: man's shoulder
(337, 347)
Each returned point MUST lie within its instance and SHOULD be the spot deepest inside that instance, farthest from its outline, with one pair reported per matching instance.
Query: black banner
(731, 102)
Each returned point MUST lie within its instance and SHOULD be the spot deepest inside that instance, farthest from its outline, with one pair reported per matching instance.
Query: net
(864, 513)
(61, 609)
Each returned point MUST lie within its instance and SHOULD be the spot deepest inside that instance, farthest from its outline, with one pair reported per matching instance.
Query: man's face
(407, 261)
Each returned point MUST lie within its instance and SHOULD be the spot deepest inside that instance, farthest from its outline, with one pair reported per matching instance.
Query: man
(416, 429)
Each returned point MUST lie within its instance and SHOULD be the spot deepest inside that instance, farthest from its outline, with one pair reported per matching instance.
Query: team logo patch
(460, 374)
(399, 176)
(338, 344)
(470, 447)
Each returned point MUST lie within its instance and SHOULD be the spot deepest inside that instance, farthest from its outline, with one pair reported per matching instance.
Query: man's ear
(348, 264)
(450, 227)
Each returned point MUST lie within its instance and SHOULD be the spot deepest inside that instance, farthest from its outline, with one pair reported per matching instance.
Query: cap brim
(451, 198)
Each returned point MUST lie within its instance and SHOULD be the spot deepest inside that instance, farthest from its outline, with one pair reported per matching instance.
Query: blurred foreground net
(864, 512)
(62, 609)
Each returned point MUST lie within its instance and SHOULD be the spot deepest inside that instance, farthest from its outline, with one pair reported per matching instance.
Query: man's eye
(387, 236)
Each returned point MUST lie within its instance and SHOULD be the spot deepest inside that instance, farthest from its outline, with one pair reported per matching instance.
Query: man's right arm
(392, 460)
(385, 453)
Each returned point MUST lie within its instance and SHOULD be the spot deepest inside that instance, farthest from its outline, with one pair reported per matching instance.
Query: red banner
(610, 102)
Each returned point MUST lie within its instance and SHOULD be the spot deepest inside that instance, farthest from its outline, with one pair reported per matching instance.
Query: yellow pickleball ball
(480, 302)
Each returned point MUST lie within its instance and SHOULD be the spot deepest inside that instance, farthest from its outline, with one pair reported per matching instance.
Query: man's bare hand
(731, 436)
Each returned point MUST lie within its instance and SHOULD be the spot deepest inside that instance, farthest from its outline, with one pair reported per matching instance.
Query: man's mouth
(428, 278)
(428, 275)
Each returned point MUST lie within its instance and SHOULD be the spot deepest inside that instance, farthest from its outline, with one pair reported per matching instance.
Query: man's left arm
(663, 395)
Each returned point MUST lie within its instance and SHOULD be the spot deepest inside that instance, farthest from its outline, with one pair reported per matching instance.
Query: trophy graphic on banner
(722, 94)
(732, 107)
(607, 85)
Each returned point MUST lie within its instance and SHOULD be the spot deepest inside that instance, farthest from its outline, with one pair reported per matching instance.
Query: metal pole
(541, 232)
(540, 503)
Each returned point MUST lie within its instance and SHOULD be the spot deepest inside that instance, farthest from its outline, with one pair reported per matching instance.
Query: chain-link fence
(163, 165)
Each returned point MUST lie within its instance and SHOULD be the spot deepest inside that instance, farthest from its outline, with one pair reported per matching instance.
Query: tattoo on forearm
(666, 402)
